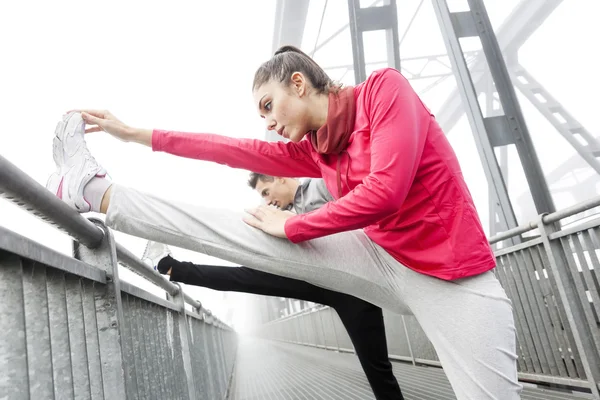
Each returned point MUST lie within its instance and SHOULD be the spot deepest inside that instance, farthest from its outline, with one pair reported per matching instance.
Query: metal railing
(72, 329)
(553, 281)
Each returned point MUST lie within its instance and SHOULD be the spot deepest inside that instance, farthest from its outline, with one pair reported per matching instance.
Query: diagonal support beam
(583, 141)
(527, 16)
(572, 130)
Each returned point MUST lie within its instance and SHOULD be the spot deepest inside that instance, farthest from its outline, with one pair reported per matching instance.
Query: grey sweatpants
(469, 321)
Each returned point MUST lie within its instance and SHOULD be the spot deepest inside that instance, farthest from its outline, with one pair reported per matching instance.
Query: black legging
(362, 320)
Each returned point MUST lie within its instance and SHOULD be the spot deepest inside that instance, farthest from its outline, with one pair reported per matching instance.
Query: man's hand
(269, 220)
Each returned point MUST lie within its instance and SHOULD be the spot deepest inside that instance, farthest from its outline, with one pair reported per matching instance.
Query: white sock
(94, 191)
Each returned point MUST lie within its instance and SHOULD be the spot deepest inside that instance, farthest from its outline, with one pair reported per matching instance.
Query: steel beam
(515, 121)
(492, 110)
(483, 128)
(368, 19)
(527, 16)
(509, 128)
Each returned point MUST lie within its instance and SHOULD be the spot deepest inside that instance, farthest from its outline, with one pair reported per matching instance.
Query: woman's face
(285, 107)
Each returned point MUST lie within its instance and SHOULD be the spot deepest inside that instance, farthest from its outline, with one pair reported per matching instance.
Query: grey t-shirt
(311, 195)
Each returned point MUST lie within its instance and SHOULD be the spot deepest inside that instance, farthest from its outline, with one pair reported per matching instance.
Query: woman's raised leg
(348, 262)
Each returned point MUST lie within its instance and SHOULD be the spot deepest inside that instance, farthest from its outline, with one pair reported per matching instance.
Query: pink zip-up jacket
(401, 181)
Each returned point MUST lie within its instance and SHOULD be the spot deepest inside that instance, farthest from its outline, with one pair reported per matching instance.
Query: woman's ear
(298, 82)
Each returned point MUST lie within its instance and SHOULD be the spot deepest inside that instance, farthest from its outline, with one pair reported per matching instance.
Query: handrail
(129, 260)
(547, 219)
(20, 188)
(569, 211)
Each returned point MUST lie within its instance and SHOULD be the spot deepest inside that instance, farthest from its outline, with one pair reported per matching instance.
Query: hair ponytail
(289, 59)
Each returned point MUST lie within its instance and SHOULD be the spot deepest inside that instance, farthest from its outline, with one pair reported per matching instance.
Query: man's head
(274, 190)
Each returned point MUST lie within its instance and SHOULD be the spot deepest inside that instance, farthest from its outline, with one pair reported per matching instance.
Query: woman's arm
(270, 158)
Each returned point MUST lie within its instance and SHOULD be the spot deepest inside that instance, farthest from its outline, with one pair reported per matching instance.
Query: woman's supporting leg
(470, 323)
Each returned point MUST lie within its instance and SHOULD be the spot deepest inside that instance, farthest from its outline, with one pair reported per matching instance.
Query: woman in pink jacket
(403, 232)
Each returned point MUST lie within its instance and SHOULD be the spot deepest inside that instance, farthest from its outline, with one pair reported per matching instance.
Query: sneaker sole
(60, 133)
(56, 182)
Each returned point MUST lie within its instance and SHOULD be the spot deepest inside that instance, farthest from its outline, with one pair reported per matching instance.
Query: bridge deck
(267, 370)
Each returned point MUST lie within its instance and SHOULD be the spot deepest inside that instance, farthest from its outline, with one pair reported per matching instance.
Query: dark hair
(290, 59)
(255, 177)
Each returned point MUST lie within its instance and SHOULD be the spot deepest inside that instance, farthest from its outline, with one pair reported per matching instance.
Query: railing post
(337, 343)
(295, 329)
(288, 330)
(293, 332)
(109, 311)
(315, 333)
(199, 309)
(323, 330)
(412, 357)
(306, 342)
(590, 358)
(186, 340)
(209, 353)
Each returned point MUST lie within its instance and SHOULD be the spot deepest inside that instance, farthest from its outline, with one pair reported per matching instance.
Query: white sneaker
(155, 252)
(75, 166)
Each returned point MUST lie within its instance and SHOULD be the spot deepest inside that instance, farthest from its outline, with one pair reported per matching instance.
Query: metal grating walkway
(267, 370)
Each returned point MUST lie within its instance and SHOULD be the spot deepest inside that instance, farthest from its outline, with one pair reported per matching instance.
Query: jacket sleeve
(399, 123)
(270, 158)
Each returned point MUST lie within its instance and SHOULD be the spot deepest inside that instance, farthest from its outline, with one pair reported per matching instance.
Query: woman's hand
(103, 120)
(269, 220)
